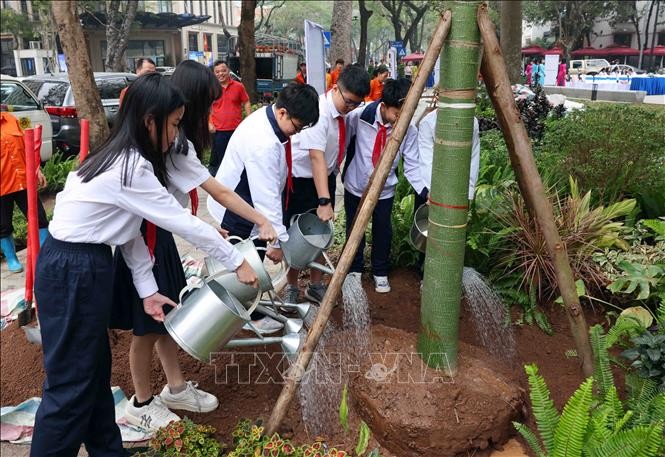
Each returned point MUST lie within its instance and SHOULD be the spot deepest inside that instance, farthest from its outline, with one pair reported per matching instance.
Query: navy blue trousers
(219, 143)
(382, 234)
(73, 288)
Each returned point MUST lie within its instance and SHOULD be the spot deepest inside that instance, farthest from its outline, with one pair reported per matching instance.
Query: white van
(587, 66)
(17, 99)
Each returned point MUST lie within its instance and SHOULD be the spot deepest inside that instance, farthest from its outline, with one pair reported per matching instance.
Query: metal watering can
(418, 232)
(206, 318)
(229, 280)
(309, 237)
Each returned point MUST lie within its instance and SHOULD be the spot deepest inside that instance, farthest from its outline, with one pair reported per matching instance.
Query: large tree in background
(119, 19)
(264, 19)
(88, 101)
(405, 17)
(511, 37)
(340, 31)
(247, 42)
(572, 20)
(365, 14)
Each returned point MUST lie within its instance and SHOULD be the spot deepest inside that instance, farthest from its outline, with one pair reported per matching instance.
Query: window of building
(623, 39)
(7, 63)
(140, 48)
(24, 7)
(661, 38)
(28, 66)
(164, 6)
(207, 42)
(192, 41)
(222, 46)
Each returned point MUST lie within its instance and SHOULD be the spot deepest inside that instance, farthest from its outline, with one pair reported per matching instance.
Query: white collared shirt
(103, 211)
(426, 130)
(255, 149)
(185, 172)
(323, 136)
(360, 169)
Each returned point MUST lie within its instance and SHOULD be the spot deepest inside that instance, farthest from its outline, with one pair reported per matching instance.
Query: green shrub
(616, 150)
(56, 170)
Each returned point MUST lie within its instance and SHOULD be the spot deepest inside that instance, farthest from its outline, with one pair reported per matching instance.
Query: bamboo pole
(367, 204)
(493, 69)
(446, 236)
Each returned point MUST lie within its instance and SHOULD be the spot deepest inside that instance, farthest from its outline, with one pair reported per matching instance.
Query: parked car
(587, 66)
(17, 99)
(55, 92)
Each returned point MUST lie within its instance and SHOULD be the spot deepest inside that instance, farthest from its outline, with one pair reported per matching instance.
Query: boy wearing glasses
(369, 129)
(257, 165)
(317, 155)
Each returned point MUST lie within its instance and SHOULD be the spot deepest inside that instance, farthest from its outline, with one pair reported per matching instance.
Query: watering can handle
(294, 218)
(234, 237)
(188, 288)
(331, 224)
(249, 313)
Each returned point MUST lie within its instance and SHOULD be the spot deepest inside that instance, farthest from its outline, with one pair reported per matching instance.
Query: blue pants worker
(382, 234)
(73, 291)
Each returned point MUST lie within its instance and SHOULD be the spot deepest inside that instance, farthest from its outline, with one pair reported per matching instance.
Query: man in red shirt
(226, 113)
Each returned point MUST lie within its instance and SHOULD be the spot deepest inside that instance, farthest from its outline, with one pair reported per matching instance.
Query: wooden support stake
(367, 204)
(493, 69)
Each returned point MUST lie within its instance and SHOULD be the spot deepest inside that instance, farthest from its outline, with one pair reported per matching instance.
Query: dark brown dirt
(416, 411)
(21, 373)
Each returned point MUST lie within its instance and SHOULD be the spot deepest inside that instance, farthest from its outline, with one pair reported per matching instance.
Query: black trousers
(382, 234)
(219, 143)
(7, 210)
(73, 286)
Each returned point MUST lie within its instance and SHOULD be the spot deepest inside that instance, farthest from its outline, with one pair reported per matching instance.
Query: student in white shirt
(257, 165)
(185, 173)
(317, 155)
(426, 137)
(368, 128)
(102, 205)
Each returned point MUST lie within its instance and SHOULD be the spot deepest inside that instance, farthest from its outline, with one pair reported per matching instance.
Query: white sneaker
(190, 399)
(354, 275)
(267, 325)
(381, 284)
(150, 417)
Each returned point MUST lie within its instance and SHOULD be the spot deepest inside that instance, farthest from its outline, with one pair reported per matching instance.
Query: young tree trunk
(119, 19)
(646, 31)
(654, 36)
(248, 47)
(446, 235)
(340, 31)
(367, 204)
(88, 101)
(511, 38)
(365, 14)
(531, 186)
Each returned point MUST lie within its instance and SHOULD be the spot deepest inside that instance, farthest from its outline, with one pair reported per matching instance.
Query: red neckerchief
(379, 143)
(342, 139)
(289, 176)
(151, 229)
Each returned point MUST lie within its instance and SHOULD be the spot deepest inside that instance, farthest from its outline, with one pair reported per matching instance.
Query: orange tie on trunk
(151, 229)
(379, 143)
(342, 140)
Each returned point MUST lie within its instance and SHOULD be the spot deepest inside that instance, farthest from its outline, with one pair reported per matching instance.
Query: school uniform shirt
(254, 166)
(362, 126)
(426, 132)
(104, 211)
(323, 136)
(185, 172)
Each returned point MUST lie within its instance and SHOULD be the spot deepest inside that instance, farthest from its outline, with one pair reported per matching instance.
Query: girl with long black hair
(102, 205)
(185, 173)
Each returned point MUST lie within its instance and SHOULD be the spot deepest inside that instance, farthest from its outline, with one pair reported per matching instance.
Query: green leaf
(572, 425)
(543, 408)
(363, 438)
(580, 289)
(344, 410)
(530, 438)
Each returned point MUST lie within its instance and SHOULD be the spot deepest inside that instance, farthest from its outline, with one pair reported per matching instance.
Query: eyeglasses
(347, 102)
(297, 128)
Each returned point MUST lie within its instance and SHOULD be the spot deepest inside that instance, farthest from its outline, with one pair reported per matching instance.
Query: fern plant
(595, 425)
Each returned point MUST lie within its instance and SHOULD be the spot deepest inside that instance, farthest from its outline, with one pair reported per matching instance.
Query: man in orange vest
(13, 185)
(376, 84)
(301, 77)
